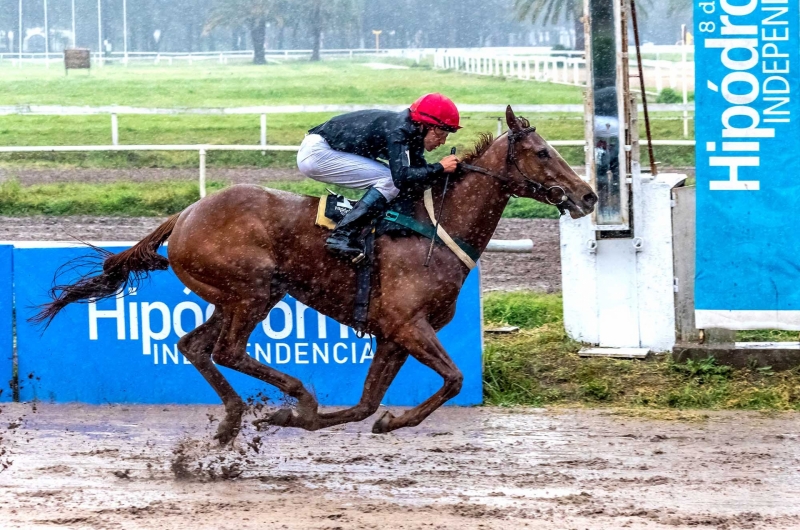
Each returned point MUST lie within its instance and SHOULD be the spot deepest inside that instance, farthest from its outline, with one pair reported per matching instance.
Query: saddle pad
(332, 208)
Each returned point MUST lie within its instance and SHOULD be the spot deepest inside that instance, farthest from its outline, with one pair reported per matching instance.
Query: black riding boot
(344, 239)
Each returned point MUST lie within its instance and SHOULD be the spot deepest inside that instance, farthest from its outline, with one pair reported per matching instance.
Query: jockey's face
(434, 138)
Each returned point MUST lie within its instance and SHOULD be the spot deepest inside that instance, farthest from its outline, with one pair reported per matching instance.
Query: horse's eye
(544, 153)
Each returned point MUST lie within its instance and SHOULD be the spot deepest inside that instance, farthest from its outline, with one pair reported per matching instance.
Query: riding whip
(438, 217)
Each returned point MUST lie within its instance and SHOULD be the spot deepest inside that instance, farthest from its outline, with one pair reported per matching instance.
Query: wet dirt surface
(538, 271)
(78, 466)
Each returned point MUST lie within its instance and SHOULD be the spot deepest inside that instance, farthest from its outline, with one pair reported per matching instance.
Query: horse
(245, 247)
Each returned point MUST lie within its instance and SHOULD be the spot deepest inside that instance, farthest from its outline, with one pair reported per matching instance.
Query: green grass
(123, 198)
(333, 82)
(539, 366)
(282, 129)
(238, 85)
(117, 199)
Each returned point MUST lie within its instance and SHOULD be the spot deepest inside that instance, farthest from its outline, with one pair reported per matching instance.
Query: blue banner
(6, 322)
(124, 350)
(748, 140)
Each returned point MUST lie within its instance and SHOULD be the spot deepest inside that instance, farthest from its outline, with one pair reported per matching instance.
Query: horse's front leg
(419, 338)
(388, 360)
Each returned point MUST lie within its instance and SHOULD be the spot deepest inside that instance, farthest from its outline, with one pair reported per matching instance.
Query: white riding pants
(317, 160)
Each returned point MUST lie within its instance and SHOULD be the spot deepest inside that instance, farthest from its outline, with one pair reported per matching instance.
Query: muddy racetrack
(75, 466)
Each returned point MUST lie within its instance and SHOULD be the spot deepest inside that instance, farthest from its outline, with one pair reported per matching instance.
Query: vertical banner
(6, 322)
(748, 143)
(124, 350)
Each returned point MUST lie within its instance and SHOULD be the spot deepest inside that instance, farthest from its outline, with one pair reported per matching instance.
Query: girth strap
(451, 244)
(426, 230)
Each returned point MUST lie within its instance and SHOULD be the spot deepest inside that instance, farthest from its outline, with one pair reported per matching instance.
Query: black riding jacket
(385, 135)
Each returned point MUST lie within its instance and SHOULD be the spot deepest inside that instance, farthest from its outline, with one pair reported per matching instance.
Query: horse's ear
(511, 119)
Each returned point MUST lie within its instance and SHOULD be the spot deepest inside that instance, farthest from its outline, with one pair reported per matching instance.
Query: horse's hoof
(226, 433)
(229, 427)
(280, 418)
(382, 425)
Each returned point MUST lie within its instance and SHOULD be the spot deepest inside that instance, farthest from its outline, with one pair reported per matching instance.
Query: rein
(511, 159)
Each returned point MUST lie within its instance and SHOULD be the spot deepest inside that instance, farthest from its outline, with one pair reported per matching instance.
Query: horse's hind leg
(197, 346)
(230, 350)
(388, 360)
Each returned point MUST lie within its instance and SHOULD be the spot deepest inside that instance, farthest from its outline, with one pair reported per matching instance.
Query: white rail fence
(203, 149)
(221, 57)
(114, 112)
(558, 67)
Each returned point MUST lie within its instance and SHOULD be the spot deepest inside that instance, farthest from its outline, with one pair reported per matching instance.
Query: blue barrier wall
(6, 330)
(124, 350)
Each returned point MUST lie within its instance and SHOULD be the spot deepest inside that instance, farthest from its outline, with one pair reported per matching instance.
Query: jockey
(345, 151)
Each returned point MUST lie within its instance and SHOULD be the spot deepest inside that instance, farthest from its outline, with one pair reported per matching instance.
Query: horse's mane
(485, 141)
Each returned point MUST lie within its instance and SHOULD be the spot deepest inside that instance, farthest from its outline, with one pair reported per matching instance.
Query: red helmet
(437, 110)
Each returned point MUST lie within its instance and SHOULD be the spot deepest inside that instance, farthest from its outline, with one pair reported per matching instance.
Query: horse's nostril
(590, 198)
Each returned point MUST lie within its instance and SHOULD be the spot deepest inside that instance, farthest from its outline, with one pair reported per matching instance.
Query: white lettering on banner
(298, 353)
(336, 353)
(141, 320)
(118, 313)
(287, 353)
(322, 354)
(147, 332)
(287, 319)
(344, 353)
(177, 313)
(745, 50)
(134, 321)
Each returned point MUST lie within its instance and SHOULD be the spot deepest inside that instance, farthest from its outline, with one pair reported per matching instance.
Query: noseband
(511, 159)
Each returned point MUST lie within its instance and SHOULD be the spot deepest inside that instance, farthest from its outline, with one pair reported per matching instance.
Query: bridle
(555, 195)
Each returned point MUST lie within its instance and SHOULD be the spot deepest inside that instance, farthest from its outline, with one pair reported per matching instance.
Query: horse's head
(536, 170)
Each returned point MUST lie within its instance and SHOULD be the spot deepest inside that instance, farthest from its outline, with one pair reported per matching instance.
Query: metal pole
(20, 34)
(114, 129)
(685, 90)
(202, 173)
(46, 38)
(653, 170)
(99, 33)
(125, 30)
(263, 132)
(74, 37)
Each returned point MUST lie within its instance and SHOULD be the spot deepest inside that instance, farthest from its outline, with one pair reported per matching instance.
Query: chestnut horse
(244, 248)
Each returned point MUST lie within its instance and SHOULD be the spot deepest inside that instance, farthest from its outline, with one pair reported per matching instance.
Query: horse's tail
(118, 272)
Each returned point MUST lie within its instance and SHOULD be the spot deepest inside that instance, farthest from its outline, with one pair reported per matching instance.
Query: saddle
(333, 207)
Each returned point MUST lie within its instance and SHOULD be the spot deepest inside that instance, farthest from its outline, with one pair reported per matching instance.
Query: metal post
(659, 80)
(99, 34)
(20, 34)
(499, 127)
(202, 173)
(114, 129)
(74, 37)
(46, 38)
(653, 170)
(263, 132)
(125, 30)
(685, 92)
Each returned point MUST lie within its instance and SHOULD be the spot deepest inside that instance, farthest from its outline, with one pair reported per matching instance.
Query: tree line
(212, 25)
